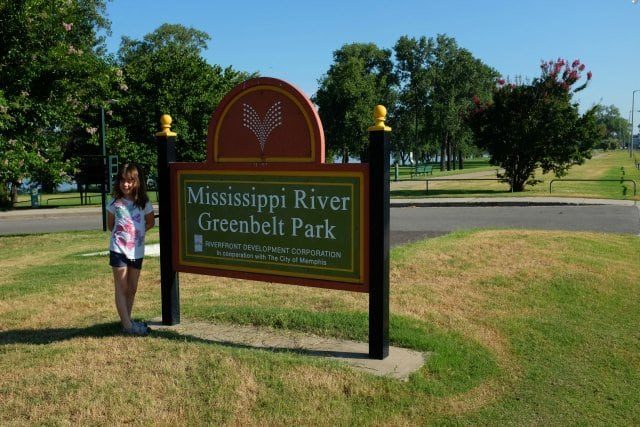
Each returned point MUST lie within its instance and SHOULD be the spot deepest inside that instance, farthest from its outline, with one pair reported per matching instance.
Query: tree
(455, 77)
(165, 74)
(437, 81)
(530, 126)
(51, 71)
(614, 128)
(12, 155)
(360, 77)
(413, 57)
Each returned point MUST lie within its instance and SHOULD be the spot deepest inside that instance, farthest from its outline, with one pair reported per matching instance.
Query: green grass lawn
(614, 165)
(522, 327)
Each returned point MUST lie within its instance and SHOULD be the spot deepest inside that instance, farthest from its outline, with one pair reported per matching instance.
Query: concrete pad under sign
(399, 364)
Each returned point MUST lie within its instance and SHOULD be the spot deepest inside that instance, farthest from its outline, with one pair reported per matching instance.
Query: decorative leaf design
(262, 129)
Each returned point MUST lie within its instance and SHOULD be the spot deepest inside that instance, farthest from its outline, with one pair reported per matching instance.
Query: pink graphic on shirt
(129, 229)
(125, 234)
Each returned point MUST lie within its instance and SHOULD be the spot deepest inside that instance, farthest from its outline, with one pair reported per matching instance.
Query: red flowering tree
(536, 125)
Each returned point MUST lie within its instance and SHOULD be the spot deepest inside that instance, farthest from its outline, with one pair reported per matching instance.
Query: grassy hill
(613, 165)
(521, 327)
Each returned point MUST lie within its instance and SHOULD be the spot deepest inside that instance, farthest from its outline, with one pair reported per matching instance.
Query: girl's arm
(149, 220)
(111, 221)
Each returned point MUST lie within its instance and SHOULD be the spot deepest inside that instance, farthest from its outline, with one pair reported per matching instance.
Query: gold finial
(379, 115)
(165, 124)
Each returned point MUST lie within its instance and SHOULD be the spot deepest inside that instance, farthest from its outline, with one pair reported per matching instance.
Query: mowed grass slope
(612, 165)
(521, 327)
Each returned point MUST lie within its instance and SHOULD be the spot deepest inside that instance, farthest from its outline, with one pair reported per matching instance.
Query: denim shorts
(119, 260)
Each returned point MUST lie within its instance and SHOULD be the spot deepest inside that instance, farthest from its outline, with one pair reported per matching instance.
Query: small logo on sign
(197, 242)
(262, 128)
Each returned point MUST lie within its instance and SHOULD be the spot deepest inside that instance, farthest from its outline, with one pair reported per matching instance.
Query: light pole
(103, 142)
(630, 128)
(633, 98)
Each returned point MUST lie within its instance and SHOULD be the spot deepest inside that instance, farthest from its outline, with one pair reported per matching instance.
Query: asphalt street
(407, 223)
(51, 221)
(412, 223)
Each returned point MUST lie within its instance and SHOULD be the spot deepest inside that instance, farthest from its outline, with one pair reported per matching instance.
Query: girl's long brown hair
(132, 171)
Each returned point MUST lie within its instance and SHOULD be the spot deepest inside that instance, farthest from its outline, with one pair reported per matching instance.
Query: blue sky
(295, 40)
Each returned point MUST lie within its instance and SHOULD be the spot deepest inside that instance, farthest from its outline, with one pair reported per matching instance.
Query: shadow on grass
(455, 363)
(264, 346)
(105, 330)
(51, 335)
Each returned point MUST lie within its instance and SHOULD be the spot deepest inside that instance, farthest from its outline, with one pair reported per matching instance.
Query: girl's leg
(133, 274)
(121, 291)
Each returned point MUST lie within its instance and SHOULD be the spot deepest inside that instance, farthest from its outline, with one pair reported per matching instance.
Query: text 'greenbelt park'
(296, 199)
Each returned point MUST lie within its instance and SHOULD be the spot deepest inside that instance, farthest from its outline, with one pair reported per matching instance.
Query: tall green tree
(12, 155)
(413, 57)
(52, 70)
(455, 77)
(165, 73)
(614, 127)
(536, 125)
(360, 77)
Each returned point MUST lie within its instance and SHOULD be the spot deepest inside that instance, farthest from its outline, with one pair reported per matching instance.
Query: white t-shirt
(127, 236)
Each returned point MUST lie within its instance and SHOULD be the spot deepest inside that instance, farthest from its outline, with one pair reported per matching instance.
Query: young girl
(130, 215)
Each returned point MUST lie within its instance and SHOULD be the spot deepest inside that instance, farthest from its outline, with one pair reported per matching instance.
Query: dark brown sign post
(169, 280)
(379, 231)
(265, 206)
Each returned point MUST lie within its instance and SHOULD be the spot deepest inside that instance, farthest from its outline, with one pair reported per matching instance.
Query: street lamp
(630, 129)
(103, 142)
(103, 138)
(633, 98)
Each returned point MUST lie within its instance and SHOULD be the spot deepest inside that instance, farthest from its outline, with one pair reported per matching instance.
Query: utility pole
(633, 98)
(103, 185)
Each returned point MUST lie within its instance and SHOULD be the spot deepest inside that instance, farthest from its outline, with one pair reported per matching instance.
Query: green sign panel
(303, 224)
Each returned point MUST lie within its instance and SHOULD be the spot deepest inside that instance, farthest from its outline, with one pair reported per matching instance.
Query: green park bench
(421, 170)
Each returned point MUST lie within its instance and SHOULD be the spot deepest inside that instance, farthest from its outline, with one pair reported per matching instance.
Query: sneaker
(137, 329)
(143, 325)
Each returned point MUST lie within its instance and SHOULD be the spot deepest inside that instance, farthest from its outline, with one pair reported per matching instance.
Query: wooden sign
(265, 120)
(265, 206)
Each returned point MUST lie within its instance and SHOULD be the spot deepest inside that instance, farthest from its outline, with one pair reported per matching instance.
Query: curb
(41, 213)
(493, 204)
(404, 203)
(394, 203)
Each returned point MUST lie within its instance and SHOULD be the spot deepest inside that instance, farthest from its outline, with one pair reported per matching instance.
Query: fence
(463, 179)
(86, 199)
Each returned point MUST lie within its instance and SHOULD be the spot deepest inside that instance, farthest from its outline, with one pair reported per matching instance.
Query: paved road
(50, 220)
(31, 225)
(407, 223)
(412, 223)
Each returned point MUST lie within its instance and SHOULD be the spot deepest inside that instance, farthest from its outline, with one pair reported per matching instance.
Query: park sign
(293, 226)
(264, 206)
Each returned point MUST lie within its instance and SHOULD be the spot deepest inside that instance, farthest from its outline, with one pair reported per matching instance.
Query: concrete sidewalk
(418, 202)
(400, 363)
